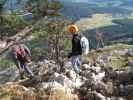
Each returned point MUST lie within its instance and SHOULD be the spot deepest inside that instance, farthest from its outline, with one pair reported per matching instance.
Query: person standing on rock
(99, 38)
(80, 45)
(22, 58)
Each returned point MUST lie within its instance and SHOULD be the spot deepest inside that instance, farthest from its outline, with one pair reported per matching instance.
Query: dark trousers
(23, 68)
(100, 43)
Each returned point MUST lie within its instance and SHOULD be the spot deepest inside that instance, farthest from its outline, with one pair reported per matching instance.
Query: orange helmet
(73, 28)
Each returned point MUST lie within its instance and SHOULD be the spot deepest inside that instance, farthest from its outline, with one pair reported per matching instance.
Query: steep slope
(98, 78)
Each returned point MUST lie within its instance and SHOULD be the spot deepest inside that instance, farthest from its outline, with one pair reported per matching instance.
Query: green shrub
(11, 24)
(6, 63)
(55, 5)
(51, 39)
(39, 7)
(38, 54)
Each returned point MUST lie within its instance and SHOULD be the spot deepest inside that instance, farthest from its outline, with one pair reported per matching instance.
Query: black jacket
(76, 46)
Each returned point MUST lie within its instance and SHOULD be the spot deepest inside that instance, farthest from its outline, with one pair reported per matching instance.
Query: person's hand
(29, 63)
(69, 55)
(21, 71)
(29, 60)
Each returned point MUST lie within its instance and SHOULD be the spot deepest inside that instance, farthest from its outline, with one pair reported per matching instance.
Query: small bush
(11, 25)
(38, 54)
(55, 5)
(5, 63)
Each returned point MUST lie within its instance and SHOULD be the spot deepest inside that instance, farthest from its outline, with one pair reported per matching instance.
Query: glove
(29, 63)
(69, 55)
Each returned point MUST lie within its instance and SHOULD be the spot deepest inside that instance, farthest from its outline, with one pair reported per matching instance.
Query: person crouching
(22, 58)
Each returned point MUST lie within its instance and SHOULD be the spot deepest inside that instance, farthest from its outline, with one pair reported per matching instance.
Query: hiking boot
(22, 76)
(31, 76)
(80, 73)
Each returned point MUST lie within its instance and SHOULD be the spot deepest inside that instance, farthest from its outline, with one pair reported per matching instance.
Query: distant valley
(113, 17)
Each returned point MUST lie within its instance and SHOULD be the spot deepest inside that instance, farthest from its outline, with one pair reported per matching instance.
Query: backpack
(84, 45)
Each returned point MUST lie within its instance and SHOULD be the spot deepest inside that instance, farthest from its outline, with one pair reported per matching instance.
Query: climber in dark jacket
(76, 46)
(22, 58)
(76, 49)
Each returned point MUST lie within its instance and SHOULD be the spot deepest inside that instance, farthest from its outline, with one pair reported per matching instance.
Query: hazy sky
(76, 0)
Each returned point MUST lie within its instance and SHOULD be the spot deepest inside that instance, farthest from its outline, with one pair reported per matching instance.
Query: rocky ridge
(99, 80)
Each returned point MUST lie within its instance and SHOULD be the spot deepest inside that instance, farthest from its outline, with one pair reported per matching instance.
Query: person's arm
(14, 54)
(70, 53)
(27, 50)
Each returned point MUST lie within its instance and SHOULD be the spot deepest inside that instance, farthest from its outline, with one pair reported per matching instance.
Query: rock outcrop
(97, 81)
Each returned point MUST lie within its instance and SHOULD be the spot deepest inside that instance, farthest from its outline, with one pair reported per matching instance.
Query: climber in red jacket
(22, 57)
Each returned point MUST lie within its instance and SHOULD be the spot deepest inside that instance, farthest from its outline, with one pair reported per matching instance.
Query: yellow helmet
(73, 28)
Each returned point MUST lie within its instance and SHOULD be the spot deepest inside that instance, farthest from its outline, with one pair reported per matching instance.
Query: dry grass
(97, 20)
